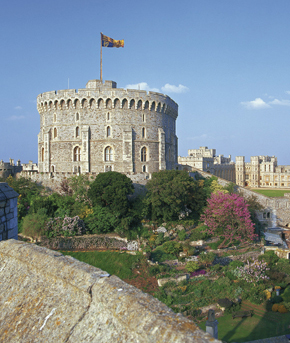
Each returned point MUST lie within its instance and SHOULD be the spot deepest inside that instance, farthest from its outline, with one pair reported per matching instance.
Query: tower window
(143, 132)
(143, 154)
(77, 131)
(54, 117)
(77, 154)
(144, 169)
(143, 118)
(108, 131)
(55, 132)
(77, 116)
(42, 155)
(108, 116)
(108, 154)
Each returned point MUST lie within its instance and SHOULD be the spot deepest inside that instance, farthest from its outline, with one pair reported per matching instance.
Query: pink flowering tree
(227, 216)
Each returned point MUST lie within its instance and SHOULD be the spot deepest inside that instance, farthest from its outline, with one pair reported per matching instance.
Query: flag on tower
(112, 43)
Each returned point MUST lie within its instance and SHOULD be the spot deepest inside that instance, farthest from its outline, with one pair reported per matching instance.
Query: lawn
(259, 326)
(119, 264)
(271, 192)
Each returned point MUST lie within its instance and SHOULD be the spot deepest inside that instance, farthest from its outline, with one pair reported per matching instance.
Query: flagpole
(101, 61)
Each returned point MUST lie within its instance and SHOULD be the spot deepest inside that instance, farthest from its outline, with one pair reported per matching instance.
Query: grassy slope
(271, 192)
(119, 264)
(252, 328)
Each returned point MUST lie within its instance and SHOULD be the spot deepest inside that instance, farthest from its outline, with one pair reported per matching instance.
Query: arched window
(143, 154)
(77, 154)
(42, 155)
(143, 118)
(108, 131)
(143, 132)
(52, 169)
(144, 169)
(54, 117)
(77, 131)
(108, 168)
(77, 116)
(108, 116)
(108, 154)
(55, 132)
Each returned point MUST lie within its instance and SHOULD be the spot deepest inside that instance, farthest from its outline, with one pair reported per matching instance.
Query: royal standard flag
(112, 43)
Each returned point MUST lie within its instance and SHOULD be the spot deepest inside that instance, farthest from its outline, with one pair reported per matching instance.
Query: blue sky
(226, 63)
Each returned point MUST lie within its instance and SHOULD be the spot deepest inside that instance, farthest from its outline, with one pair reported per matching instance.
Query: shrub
(235, 264)
(34, 225)
(160, 239)
(192, 266)
(199, 233)
(254, 272)
(225, 302)
(282, 309)
(276, 299)
(102, 220)
(275, 307)
(181, 235)
(207, 258)
(66, 226)
(287, 305)
(234, 308)
(268, 305)
(197, 273)
(276, 276)
(286, 294)
(172, 247)
(269, 257)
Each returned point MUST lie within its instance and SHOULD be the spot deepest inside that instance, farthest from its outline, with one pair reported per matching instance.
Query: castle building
(206, 160)
(262, 171)
(102, 128)
(9, 168)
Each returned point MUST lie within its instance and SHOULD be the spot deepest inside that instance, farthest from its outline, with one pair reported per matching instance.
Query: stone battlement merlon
(54, 100)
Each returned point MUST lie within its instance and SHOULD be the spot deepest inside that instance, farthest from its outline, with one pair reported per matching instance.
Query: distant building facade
(262, 171)
(9, 168)
(206, 160)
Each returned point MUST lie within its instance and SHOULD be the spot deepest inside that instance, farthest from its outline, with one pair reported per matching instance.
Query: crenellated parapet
(106, 96)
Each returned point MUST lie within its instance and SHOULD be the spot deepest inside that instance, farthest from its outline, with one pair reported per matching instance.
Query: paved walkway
(278, 339)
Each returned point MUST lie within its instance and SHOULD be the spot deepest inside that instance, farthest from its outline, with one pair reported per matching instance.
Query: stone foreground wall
(48, 297)
(8, 212)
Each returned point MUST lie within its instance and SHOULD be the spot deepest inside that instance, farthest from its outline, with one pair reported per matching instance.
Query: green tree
(111, 190)
(171, 193)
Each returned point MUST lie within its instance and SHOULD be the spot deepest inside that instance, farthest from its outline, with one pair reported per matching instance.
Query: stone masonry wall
(8, 212)
(48, 297)
(52, 181)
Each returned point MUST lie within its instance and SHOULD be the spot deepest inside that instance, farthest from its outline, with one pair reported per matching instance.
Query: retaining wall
(48, 297)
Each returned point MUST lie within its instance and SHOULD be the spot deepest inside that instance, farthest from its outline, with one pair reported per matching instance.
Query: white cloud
(256, 104)
(142, 86)
(16, 117)
(174, 89)
(18, 108)
(280, 102)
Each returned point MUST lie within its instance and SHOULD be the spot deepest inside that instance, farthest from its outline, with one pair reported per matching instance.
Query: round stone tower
(102, 128)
